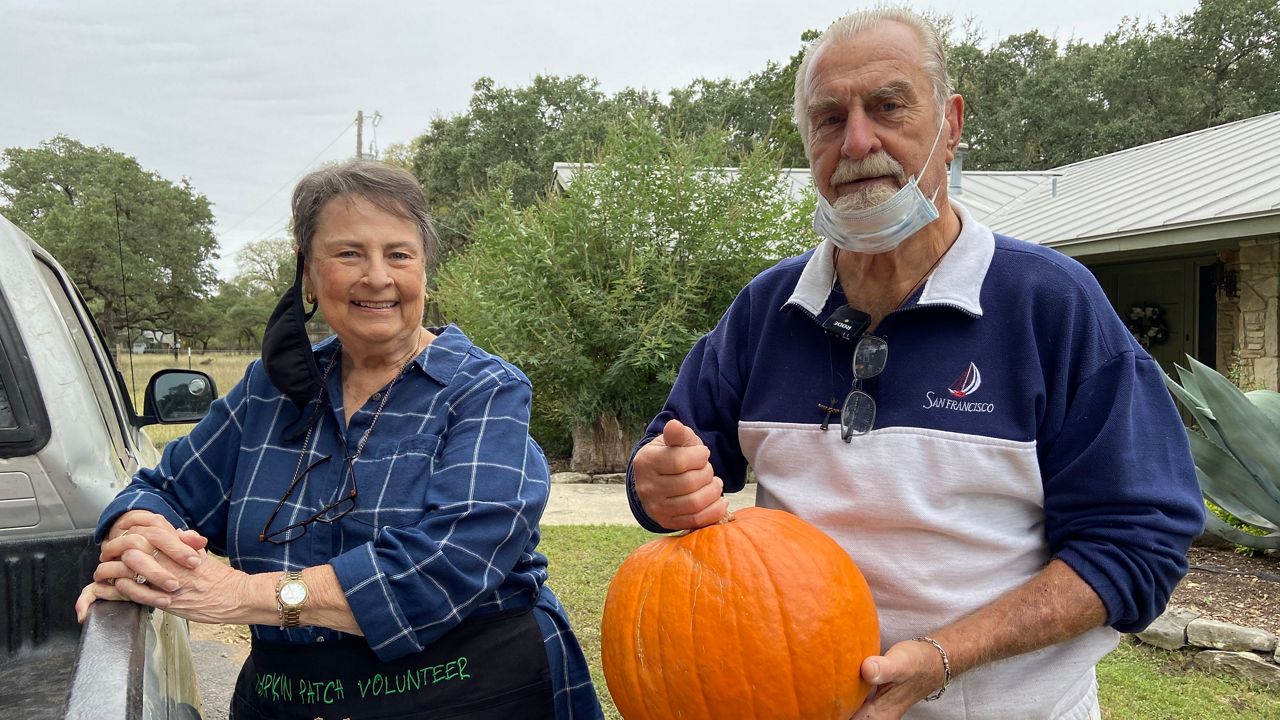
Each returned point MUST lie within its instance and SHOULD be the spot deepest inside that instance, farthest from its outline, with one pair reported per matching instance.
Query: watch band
(290, 615)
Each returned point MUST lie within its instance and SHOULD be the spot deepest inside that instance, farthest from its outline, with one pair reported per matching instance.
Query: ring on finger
(140, 579)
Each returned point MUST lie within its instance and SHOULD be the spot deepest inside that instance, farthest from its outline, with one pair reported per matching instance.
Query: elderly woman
(378, 497)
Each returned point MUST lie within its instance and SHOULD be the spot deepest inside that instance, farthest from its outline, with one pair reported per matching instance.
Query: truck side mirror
(178, 396)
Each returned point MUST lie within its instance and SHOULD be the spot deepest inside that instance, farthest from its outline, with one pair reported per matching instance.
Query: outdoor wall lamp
(1226, 281)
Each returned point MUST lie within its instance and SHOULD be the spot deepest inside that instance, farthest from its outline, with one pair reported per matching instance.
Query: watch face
(293, 592)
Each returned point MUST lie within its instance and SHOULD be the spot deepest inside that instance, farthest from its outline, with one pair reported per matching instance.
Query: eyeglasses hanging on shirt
(345, 502)
(858, 413)
(332, 512)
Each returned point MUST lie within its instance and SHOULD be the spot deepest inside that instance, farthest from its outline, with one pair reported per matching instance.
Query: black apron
(492, 667)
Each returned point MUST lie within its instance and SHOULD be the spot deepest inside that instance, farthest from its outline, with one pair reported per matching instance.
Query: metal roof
(1220, 174)
(986, 192)
(1211, 184)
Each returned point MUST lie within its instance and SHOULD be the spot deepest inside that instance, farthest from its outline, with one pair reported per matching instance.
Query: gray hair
(934, 61)
(390, 188)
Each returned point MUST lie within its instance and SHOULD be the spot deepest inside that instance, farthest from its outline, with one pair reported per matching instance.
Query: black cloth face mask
(288, 358)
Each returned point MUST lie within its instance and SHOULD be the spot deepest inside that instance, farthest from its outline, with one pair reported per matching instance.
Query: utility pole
(373, 120)
(359, 134)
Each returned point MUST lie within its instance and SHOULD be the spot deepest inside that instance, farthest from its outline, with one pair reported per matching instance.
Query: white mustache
(875, 165)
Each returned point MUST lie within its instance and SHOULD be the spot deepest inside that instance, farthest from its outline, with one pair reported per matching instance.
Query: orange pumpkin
(761, 616)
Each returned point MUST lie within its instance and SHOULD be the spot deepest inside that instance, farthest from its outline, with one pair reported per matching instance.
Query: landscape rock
(570, 477)
(1225, 636)
(1241, 664)
(610, 479)
(1169, 631)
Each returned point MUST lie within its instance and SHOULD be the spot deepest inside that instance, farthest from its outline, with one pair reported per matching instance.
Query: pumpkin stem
(725, 519)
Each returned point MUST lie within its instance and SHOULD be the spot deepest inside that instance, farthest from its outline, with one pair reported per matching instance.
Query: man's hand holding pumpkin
(674, 481)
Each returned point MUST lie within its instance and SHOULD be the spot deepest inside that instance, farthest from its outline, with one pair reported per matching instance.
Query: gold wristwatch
(291, 595)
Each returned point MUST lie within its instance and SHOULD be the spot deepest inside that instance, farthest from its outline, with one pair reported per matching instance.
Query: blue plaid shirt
(450, 491)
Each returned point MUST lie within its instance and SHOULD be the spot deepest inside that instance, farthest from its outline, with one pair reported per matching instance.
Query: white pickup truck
(70, 439)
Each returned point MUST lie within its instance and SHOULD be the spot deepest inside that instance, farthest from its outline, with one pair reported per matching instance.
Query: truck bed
(40, 578)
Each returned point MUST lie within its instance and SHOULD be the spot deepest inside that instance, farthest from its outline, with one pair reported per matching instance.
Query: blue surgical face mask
(883, 227)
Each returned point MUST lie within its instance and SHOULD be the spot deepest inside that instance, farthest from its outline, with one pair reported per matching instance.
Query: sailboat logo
(967, 384)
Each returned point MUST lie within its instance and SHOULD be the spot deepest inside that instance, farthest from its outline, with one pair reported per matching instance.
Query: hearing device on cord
(847, 322)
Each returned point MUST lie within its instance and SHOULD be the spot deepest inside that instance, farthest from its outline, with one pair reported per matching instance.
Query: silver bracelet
(946, 666)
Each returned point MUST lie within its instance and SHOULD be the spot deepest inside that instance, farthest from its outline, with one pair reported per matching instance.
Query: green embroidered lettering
(268, 685)
(274, 685)
(304, 691)
(382, 685)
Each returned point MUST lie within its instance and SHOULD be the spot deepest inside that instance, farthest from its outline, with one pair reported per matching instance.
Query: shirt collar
(445, 354)
(440, 361)
(957, 281)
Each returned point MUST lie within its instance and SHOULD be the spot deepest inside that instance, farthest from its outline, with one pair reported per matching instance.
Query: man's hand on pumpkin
(904, 676)
(674, 480)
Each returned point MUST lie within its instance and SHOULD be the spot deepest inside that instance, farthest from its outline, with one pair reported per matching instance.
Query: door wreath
(1147, 323)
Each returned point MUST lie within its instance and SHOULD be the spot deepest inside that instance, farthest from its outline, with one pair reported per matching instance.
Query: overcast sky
(242, 97)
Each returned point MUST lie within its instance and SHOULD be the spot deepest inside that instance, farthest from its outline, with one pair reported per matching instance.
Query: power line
(276, 227)
(291, 180)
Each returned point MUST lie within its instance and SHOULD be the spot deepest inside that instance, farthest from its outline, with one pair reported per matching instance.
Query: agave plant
(1236, 447)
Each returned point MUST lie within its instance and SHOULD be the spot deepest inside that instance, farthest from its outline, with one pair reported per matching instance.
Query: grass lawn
(1137, 682)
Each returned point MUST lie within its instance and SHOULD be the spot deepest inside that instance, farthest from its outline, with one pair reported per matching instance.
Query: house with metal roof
(1188, 226)
(1183, 234)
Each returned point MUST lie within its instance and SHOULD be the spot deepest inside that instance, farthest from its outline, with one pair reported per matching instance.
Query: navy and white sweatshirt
(1017, 421)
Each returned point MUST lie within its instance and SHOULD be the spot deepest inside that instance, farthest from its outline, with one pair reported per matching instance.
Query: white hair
(934, 60)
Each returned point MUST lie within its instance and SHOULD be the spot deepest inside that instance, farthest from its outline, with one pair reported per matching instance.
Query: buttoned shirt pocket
(396, 483)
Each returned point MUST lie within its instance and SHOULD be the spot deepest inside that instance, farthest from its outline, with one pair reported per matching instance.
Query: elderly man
(1012, 478)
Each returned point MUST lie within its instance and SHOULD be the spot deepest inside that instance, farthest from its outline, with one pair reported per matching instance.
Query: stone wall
(1249, 325)
(1218, 646)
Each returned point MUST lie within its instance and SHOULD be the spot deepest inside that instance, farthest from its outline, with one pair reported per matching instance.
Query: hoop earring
(310, 297)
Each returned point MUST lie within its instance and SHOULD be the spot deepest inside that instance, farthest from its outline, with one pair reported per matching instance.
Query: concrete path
(586, 504)
(218, 663)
